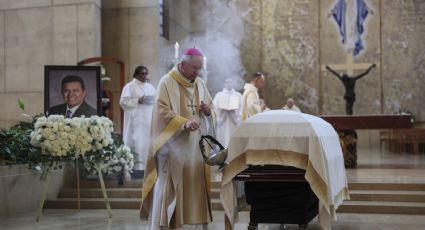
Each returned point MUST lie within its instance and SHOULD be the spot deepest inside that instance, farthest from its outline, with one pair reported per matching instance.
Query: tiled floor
(381, 166)
(128, 220)
(374, 166)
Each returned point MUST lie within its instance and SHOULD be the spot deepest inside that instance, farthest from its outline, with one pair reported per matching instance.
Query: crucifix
(348, 79)
(192, 106)
(349, 66)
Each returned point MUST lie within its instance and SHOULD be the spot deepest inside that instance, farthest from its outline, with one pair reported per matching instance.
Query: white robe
(175, 190)
(137, 119)
(251, 101)
(293, 108)
(228, 109)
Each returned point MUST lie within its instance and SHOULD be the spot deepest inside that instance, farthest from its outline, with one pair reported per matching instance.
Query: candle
(205, 63)
(176, 50)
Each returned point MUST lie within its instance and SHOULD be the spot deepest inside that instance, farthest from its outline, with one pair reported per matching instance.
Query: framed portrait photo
(72, 91)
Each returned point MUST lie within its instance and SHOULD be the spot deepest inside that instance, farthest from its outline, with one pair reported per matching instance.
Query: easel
(122, 82)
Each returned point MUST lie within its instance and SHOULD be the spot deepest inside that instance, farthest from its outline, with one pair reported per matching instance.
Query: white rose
(94, 129)
(105, 142)
(126, 148)
(64, 135)
(49, 124)
(88, 139)
(45, 133)
(72, 137)
(122, 160)
(84, 133)
(55, 127)
(99, 146)
(117, 168)
(52, 137)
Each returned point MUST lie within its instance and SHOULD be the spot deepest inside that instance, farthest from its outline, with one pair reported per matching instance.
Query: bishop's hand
(192, 125)
(205, 108)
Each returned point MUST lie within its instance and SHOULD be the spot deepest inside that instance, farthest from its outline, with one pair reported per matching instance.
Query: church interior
(292, 42)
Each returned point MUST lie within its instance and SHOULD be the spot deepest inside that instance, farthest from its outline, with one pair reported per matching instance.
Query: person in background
(137, 100)
(250, 98)
(290, 105)
(228, 108)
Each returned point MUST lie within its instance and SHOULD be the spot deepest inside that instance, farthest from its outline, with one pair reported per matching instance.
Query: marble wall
(403, 56)
(37, 33)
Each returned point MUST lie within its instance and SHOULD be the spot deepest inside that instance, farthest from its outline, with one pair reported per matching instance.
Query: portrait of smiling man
(74, 93)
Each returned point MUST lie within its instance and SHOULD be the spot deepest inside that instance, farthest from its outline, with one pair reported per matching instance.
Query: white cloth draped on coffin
(282, 137)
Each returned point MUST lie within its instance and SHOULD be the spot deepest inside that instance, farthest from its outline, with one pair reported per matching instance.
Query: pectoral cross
(192, 107)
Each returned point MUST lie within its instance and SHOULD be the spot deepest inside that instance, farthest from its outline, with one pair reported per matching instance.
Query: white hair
(187, 58)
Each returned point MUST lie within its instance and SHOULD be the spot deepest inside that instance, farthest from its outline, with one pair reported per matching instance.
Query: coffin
(278, 194)
(285, 139)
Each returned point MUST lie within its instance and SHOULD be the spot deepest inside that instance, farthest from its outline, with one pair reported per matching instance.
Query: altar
(350, 122)
(287, 138)
(346, 126)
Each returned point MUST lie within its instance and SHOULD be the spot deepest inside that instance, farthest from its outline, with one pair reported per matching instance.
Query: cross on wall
(349, 66)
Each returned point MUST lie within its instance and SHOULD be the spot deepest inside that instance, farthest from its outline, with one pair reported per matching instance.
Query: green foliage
(16, 148)
(21, 105)
(15, 145)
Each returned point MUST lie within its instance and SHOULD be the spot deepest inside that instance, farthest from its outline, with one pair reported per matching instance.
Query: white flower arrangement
(88, 139)
(46, 143)
(111, 160)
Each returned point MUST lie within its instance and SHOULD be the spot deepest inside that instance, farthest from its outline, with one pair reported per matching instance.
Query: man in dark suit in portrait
(74, 93)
